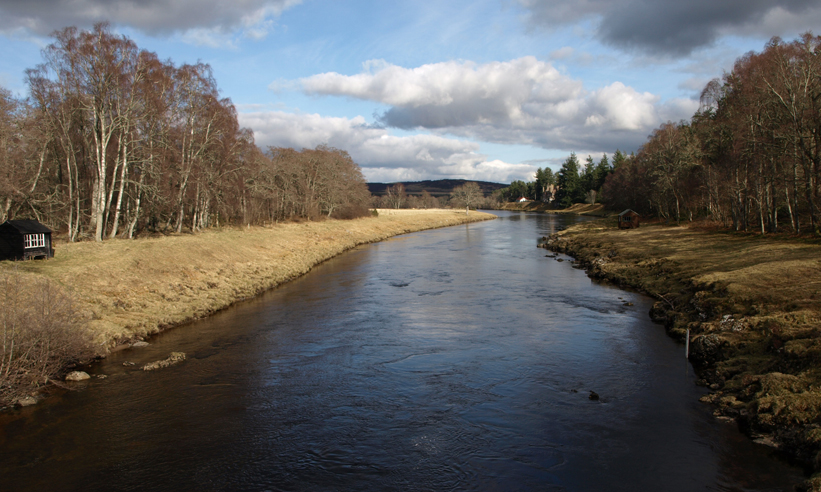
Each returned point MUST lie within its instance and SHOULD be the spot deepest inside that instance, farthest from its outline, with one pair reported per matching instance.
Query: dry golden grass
(777, 273)
(130, 288)
(596, 210)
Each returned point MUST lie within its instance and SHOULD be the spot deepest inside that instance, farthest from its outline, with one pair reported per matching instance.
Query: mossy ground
(752, 304)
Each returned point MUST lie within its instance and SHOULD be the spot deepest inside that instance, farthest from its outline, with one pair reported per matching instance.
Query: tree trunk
(123, 170)
(137, 199)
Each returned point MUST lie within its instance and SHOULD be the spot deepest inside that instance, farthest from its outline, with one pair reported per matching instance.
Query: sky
(430, 89)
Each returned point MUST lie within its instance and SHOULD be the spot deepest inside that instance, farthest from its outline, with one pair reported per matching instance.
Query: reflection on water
(454, 359)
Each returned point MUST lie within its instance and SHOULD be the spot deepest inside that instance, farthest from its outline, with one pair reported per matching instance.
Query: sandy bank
(753, 307)
(131, 288)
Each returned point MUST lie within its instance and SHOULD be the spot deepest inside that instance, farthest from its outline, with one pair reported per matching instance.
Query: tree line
(396, 196)
(469, 195)
(573, 183)
(750, 158)
(112, 141)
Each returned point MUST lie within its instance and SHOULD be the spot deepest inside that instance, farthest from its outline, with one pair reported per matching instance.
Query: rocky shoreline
(759, 361)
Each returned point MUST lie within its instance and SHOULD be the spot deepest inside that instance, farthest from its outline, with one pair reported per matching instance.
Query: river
(452, 359)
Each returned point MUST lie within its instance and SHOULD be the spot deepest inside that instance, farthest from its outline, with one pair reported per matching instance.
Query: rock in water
(172, 359)
(27, 401)
(139, 344)
(594, 396)
(77, 376)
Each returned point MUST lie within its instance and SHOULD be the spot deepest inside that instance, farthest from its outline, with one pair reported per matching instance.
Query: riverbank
(752, 305)
(130, 289)
(595, 210)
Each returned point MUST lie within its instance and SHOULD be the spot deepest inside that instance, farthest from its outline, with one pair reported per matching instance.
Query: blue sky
(479, 89)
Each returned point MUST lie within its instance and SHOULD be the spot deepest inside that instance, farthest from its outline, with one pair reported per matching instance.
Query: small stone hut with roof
(25, 239)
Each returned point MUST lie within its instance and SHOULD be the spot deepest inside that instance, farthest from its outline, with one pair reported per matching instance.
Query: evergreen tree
(545, 179)
(588, 175)
(618, 159)
(569, 183)
(601, 172)
(516, 190)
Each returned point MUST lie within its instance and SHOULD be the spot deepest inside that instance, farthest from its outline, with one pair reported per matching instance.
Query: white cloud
(492, 90)
(618, 107)
(383, 157)
(206, 22)
(520, 101)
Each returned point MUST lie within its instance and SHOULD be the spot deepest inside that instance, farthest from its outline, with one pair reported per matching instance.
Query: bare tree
(467, 195)
(395, 195)
(40, 332)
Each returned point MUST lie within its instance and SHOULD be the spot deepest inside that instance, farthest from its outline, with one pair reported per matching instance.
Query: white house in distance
(522, 199)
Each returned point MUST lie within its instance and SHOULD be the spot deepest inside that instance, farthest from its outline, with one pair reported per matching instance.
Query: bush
(351, 211)
(40, 334)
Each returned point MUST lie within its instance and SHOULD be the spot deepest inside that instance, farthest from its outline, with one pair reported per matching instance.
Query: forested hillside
(113, 141)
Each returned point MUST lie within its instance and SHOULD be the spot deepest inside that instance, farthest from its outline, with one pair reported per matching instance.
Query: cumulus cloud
(520, 101)
(383, 157)
(201, 21)
(673, 27)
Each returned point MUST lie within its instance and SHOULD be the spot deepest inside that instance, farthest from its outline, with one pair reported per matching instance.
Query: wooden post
(687, 345)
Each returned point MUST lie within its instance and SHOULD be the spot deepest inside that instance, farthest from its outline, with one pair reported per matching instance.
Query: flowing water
(452, 359)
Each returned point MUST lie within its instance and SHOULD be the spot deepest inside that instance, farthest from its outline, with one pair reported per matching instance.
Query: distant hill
(439, 187)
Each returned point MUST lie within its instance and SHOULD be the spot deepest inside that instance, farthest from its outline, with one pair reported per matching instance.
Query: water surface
(453, 359)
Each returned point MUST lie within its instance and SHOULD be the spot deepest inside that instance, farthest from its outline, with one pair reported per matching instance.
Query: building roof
(28, 226)
(628, 211)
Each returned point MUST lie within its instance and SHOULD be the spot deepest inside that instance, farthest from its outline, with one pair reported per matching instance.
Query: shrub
(40, 334)
(352, 211)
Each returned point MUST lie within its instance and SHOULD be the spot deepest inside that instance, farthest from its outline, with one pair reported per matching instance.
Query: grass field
(596, 210)
(132, 288)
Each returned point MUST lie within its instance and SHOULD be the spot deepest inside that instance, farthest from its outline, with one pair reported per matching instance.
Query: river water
(453, 359)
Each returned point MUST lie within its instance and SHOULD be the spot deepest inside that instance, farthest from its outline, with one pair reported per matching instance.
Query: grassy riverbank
(596, 210)
(133, 288)
(752, 304)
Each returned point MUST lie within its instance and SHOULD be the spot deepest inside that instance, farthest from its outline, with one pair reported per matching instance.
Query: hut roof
(28, 226)
(628, 211)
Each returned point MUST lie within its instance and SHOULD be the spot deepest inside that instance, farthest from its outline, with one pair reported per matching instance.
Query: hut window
(35, 240)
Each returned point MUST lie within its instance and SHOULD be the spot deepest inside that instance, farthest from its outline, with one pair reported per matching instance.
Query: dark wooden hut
(25, 239)
(628, 219)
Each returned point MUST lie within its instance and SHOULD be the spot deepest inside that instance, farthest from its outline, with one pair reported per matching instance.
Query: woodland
(749, 159)
(113, 141)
